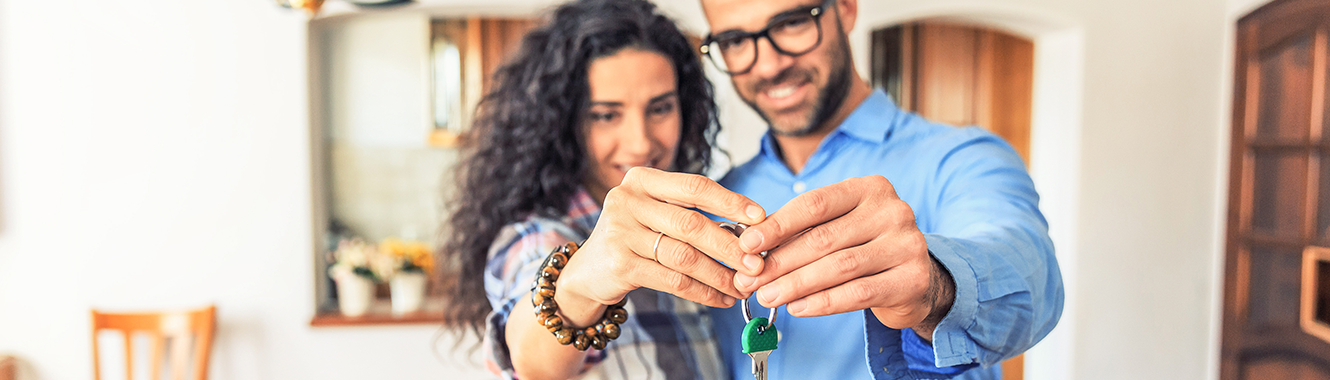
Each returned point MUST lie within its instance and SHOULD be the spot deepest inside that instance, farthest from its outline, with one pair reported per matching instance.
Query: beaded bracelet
(547, 311)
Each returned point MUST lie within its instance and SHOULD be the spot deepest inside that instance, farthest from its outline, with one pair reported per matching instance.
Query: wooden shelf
(380, 313)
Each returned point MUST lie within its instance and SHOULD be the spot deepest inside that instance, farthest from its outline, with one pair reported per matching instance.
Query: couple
(900, 248)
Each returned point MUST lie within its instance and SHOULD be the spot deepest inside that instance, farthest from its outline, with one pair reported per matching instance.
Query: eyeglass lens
(793, 35)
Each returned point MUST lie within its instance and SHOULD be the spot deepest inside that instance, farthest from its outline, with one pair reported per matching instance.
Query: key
(758, 341)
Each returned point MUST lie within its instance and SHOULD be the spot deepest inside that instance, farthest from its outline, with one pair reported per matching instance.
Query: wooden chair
(181, 327)
(8, 368)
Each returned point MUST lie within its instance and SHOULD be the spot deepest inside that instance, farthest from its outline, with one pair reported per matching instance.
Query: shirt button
(799, 187)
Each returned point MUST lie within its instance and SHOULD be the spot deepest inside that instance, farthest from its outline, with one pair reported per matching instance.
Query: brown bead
(550, 273)
(553, 323)
(570, 248)
(598, 342)
(564, 336)
(608, 329)
(543, 282)
(558, 260)
(616, 314)
(581, 342)
(590, 331)
(547, 306)
(545, 292)
(536, 299)
(621, 302)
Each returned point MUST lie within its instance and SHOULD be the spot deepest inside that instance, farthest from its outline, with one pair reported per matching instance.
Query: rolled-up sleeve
(986, 229)
(514, 259)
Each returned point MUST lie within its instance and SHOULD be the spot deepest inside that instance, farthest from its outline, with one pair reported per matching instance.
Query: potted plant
(412, 263)
(353, 269)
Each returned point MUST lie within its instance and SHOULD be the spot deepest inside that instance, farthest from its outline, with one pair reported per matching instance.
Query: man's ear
(848, 11)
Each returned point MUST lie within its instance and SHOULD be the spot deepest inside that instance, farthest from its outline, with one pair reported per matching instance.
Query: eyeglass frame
(815, 11)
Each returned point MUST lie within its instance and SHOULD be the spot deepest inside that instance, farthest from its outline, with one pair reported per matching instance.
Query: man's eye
(792, 24)
(731, 43)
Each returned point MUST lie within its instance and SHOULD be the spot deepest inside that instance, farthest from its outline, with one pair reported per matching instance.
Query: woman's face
(633, 118)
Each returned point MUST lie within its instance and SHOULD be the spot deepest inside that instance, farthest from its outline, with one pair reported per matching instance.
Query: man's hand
(626, 251)
(845, 247)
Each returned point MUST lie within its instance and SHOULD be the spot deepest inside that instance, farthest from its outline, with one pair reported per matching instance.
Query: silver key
(760, 364)
(759, 339)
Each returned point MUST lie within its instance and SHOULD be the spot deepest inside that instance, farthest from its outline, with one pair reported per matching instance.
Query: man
(932, 231)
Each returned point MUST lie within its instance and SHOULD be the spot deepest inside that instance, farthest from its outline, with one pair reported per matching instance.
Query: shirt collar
(871, 121)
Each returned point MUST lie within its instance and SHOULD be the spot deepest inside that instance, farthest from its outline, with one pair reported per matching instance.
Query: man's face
(794, 94)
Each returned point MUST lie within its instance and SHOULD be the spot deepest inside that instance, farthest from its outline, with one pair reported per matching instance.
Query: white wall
(154, 153)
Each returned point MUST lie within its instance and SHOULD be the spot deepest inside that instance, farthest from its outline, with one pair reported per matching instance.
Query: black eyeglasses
(793, 33)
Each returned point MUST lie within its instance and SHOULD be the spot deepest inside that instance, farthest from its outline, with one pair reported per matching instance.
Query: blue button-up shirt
(979, 212)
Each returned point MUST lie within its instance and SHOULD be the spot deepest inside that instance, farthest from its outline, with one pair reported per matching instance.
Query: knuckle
(822, 238)
(878, 181)
(690, 223)
(617, 266)
(816, 204)
(846, 262)
(694, 185)
(861, 292)
(683, 258)
(614, 197)
(634, 174)
(676, 282)
(917, 243)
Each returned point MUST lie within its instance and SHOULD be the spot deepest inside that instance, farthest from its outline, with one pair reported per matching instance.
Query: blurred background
(162, 154)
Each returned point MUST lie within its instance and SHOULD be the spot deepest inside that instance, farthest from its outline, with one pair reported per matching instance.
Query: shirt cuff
(891, 354)
(952, 346)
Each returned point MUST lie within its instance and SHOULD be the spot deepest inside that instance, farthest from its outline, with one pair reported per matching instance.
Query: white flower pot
(354, 295)
(408, 291)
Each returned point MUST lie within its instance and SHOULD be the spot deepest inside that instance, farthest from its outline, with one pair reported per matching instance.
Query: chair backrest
(179, 326)
(7, 368)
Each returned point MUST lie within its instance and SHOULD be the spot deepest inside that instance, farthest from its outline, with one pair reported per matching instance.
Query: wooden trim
(334, 319)
(909, 56)
(380, 313)
(1310, 284)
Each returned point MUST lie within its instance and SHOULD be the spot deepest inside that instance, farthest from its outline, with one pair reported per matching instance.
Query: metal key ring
(738, 229)
(748, 316)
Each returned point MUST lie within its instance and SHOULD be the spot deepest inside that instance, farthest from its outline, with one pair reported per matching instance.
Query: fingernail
(750, 240)
(755, 213)
(796, 306)
(744, 281)
(768, 294)
(752, 262)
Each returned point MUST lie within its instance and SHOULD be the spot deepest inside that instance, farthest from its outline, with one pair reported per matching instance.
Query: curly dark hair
(527, 154)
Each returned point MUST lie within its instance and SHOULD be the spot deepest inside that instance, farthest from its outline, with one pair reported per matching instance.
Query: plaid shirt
(665, 337)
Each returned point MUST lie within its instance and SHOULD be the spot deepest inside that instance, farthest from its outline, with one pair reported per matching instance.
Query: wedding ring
(654, 255)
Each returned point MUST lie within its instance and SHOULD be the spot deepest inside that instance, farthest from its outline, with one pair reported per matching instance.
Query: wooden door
(961, 75)
(1279, 192)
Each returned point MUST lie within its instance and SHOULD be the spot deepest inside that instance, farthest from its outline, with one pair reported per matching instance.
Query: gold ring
(654, 255)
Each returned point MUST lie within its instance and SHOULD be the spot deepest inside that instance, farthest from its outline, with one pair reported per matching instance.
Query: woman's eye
(662, 109)
(599, 117)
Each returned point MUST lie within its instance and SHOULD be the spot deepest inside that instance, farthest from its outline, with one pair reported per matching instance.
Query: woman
(605, 86)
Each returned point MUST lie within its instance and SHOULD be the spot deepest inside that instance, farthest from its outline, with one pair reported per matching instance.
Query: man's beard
(829, 98)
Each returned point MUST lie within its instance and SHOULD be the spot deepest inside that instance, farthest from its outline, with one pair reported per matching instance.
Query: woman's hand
(627, 250)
